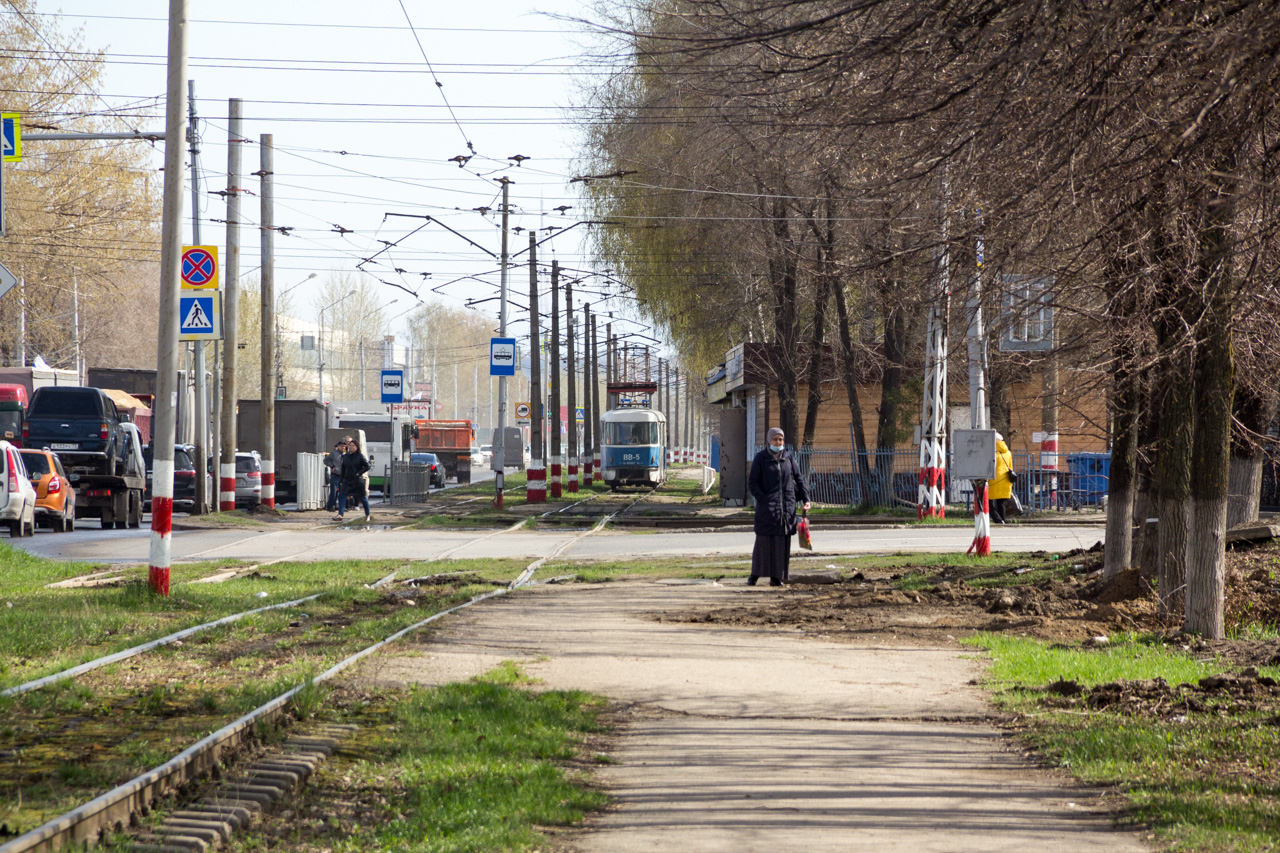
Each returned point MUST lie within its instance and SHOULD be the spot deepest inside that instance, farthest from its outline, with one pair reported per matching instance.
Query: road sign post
(8, 281)
(502, 356)
(392, 396)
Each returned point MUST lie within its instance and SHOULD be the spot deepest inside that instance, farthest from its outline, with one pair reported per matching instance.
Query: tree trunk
(782, 270)
(814, 373)
(1144, 555)
(1253, 413)
(1214, 389)
(1173, 468)
(1117, 551)
(862, 463)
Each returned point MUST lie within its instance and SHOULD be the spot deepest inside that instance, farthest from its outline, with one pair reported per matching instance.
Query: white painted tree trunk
(1244, 487)
(1207, 569)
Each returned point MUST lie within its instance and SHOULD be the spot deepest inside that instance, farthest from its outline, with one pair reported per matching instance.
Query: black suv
(184, 477)
(81, 425)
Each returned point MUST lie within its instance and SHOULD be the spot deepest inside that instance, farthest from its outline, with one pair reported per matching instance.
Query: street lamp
(320, 341)
(360, 325)
(279, 371)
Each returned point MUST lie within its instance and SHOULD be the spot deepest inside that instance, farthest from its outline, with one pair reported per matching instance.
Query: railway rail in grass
(208, 821)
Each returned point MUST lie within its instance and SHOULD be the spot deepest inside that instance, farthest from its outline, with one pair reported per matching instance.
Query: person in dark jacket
(333, 464)
(354, 467)
(777, 487)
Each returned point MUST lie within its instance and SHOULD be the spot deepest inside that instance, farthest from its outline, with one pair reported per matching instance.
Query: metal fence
(313, 481)
(890, 479)
(409, 482)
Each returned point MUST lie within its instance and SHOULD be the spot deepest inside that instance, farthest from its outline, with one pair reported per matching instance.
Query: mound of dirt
(1246, 690)
(1076, 608)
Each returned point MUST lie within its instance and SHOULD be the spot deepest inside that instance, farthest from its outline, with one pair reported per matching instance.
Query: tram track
(120, 807)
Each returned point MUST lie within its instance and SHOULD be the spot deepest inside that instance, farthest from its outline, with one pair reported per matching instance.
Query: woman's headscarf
(769, 441)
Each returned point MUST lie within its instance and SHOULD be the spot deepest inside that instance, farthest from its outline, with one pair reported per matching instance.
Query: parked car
(55, 496)
(184, 477)
(249, 478)
(437, 469)
(17, 495)
(486, 454)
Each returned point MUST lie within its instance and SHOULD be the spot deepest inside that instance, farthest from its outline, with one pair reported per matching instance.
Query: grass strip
(1197, 781)
(479, 765)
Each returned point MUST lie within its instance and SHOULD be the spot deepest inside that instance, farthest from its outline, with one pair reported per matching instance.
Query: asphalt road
(331, 543)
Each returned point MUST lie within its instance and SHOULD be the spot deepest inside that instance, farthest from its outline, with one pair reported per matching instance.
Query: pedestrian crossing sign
(199, 318)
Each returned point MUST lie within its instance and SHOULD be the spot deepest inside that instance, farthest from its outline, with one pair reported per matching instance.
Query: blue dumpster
(1090, 473)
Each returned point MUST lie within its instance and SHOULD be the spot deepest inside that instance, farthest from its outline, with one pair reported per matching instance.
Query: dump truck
(450, 441)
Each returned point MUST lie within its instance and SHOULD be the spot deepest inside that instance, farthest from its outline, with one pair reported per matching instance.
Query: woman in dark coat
(354, 467)
(777, 487)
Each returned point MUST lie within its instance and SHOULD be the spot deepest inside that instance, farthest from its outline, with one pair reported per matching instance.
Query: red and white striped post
(227, 486)
(1049, 462)
(981, 546)
(587, 479)
(161, 525)
(269, 482)
(536, 484)
(557, 476)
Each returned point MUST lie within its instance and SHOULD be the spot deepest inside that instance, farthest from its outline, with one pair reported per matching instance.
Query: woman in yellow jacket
(1001, 488)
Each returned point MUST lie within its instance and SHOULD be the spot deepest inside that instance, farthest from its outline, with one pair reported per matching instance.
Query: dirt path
(737, 739)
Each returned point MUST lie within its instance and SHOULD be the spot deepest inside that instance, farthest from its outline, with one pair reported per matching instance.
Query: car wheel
(70, 522)
(15, 529)
(59, 523)
(135, 512)
(29, 528)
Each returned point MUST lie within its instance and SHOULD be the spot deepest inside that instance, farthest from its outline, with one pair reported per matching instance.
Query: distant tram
(633, 447)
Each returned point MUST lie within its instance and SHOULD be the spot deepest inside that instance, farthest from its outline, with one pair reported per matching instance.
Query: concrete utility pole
(202, 388)
(230, 310)
(557, 460)
(595, 399)
(268, 348)
(587, 458)
(165, 422)
(536, 483)
(978, 398)
(570, 330)
(500, 436)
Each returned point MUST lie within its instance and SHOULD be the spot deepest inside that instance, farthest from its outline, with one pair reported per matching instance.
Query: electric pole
(587, 459)
(557, 460)
(536, 483)
(500, 437)
(571, 323)
(202, 390)
(598, 476)
(175, 116)
(268, 278)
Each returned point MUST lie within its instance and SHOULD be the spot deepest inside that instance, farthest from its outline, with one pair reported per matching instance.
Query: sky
(367, 104)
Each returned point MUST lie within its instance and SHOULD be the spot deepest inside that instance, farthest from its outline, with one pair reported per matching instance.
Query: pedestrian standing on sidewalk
(354, 467)
(1000, 489)
(777, 487)
(333, 464)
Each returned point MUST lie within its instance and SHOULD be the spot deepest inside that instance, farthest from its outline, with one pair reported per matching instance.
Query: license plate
(64, 446)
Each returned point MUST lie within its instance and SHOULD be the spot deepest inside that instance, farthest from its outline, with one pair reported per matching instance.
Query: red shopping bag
(802, 530)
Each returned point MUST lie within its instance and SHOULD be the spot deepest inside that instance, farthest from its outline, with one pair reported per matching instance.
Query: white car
(486, 454)
(17, 495)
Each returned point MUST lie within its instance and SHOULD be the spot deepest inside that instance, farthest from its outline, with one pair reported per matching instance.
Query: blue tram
(633, 447)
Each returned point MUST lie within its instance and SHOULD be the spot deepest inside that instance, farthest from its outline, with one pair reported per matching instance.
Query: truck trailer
(300, 428)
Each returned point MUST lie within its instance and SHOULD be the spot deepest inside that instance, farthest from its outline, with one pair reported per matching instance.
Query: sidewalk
(740, 740)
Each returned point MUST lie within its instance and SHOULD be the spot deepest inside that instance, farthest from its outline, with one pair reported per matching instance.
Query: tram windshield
(632, 434)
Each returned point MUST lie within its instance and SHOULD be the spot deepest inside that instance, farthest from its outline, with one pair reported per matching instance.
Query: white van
(17, 495)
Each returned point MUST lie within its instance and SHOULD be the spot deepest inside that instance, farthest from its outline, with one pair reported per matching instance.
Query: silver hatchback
(248, 478)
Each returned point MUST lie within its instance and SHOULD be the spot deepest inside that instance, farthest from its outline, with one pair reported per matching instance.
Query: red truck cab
(13, 412)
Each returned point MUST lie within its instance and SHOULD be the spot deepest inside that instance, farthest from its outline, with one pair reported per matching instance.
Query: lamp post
(360, 325)
(279, 370)
(320, 341)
